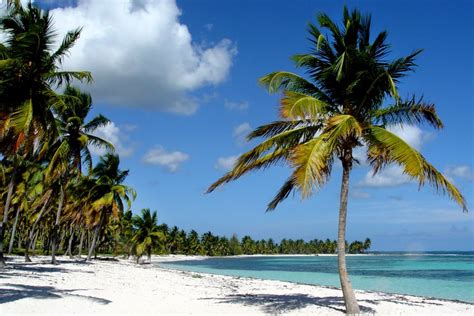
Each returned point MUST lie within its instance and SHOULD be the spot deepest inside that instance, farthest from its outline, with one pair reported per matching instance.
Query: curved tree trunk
(5, 217)
(96, 237)
(352, 308)
(79, 253)
(12, 237)
(54, 239)
(69, 246)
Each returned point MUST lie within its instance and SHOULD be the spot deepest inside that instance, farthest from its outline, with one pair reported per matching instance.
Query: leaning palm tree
(148, 235)
(344, 104)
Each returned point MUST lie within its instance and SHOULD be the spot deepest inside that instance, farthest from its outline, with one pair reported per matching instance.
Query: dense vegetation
(138, 235)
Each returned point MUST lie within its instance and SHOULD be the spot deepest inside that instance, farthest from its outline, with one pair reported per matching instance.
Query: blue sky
(179, 81)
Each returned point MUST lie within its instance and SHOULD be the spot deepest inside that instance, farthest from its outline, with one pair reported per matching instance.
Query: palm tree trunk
(79, 253)
(5, 217)
(12, 237)
(69, 246)
(352, 308)
(94, 241)
(54, 238)
(96, 236)
(33, 246)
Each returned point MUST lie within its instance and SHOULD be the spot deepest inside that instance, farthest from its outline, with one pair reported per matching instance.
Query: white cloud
(413, 135)
(141, 55)
(393, 175)
(240, 132)
(233, 105)
(114, 135)
(161, 157)
(389, 177)
(462, 172)
(226, 163)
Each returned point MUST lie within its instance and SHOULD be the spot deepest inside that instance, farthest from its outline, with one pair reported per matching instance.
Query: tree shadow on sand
(283, 303)
(276, 303)
(15, 292)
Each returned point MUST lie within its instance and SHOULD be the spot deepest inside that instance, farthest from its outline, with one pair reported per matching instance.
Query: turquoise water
(440, 275)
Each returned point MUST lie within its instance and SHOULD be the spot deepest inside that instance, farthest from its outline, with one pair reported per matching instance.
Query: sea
(445, 275)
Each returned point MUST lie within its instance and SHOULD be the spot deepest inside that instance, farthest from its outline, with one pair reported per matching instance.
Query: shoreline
(190, 258)
(122, 286)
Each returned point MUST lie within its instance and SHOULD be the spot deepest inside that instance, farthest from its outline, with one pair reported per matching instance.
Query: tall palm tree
(342, 106)
(71, 149)
(107, 195)
(148, 235)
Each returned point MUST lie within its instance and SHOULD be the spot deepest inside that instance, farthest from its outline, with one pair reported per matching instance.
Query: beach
(123, 287)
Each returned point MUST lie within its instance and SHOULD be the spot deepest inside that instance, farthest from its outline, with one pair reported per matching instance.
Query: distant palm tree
(342, 107)
(148, 235)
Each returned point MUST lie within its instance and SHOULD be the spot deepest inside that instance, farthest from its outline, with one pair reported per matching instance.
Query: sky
(178, 79)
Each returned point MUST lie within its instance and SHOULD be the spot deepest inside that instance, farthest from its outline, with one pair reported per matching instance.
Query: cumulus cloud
(463, 172)
(170, 160)
(141, 55)
(234, 105)
(114, 135)
(226, 163)
(240, 132)
(393, 175)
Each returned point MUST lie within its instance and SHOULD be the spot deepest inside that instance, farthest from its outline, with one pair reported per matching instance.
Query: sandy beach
(123, 287)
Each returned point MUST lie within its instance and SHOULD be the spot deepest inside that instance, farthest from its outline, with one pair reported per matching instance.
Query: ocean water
(440, 275)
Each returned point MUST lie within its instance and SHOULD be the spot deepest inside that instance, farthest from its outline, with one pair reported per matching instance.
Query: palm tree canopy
(30, 71)
(75, 137)
(349, 100)
(147, 234)
(108, 193)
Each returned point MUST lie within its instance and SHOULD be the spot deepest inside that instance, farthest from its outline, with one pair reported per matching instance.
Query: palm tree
(30, 73)
(148, 235)
(71, 149)
(107, 195)
(340, 108)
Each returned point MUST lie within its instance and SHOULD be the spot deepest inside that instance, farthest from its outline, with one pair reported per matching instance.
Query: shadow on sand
(15, 292)
(284, 303)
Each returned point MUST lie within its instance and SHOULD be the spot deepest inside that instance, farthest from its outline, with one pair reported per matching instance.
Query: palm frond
(312, 162)
(242, 168)
(408, 112)
(68, 42)
(282, 194)
(65, 77)
(395, 149)
(298, 106)
(21, 118)
(96, 122)
(280, 80)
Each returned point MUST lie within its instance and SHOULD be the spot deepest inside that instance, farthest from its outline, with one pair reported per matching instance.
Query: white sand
(124, 287)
